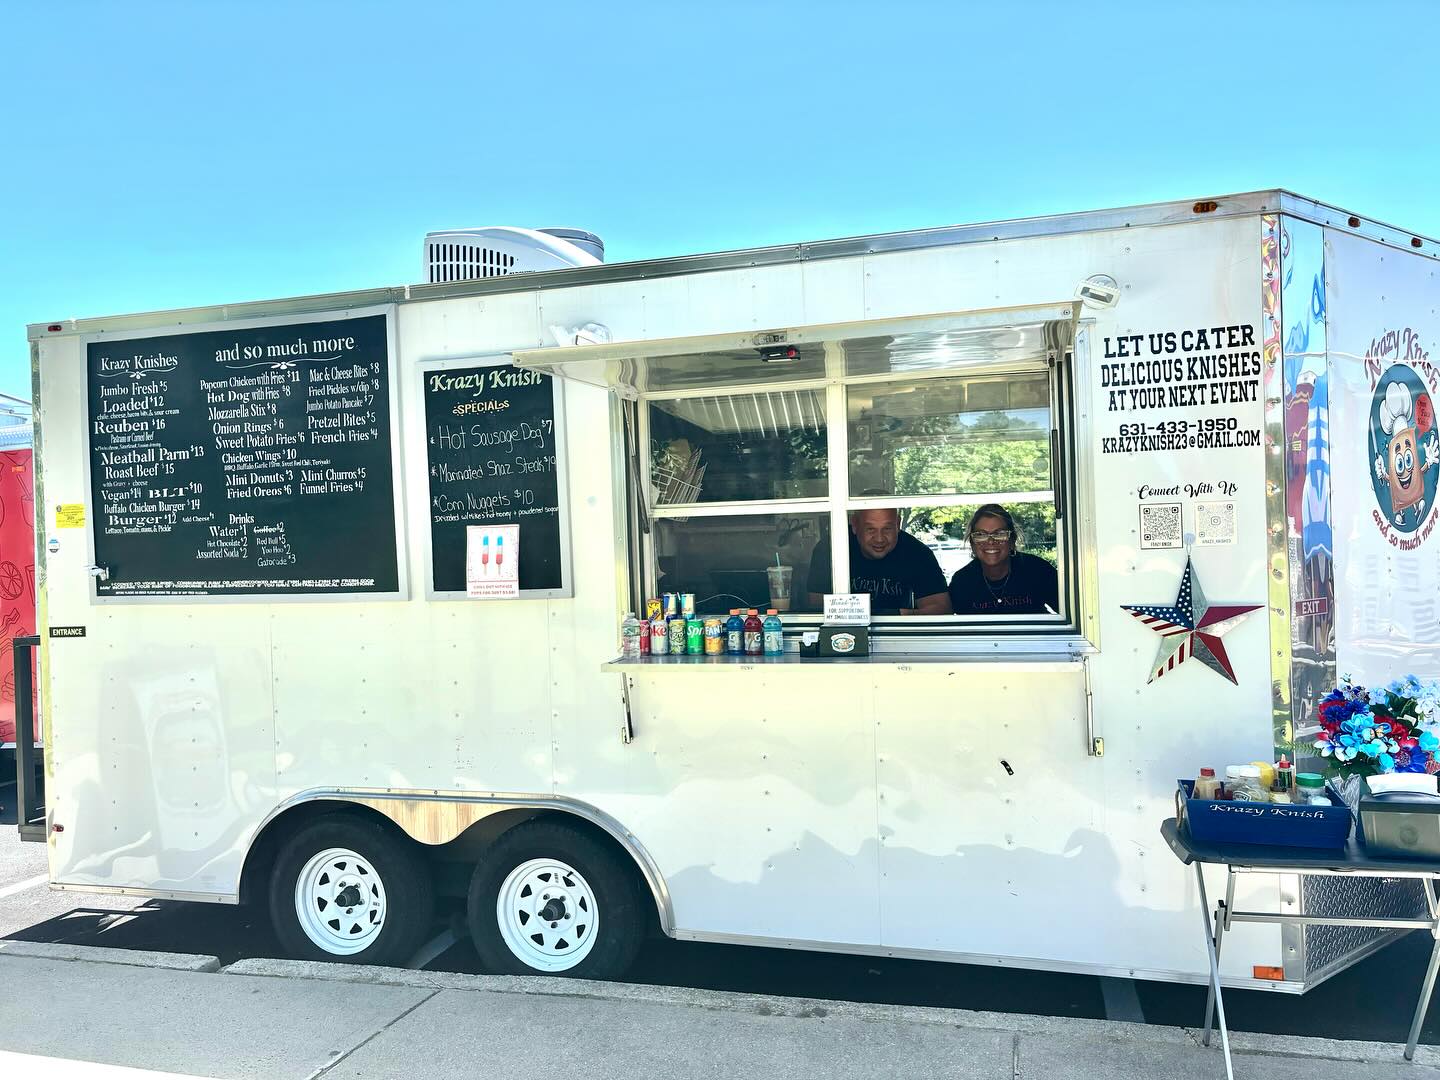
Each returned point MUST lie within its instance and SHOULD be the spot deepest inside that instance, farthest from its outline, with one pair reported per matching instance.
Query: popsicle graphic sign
(492, 562)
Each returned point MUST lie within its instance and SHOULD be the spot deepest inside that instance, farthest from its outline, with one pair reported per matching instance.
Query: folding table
(1349, 861)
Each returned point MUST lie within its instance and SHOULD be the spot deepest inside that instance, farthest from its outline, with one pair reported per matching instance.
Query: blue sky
(161, 155)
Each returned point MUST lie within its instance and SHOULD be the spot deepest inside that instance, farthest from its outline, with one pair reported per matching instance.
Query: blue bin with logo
(1219, 821)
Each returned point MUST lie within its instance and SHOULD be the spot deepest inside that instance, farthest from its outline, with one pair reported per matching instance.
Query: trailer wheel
(346, 889)
(548, 900)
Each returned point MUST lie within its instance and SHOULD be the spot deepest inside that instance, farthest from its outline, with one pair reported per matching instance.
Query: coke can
(644, 637)
(659, 638)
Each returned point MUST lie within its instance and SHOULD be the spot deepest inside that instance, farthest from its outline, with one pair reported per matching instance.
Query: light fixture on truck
(1098, 291)
(779, 354)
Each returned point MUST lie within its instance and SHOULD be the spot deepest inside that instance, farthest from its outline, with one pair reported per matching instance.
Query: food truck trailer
(279, 664)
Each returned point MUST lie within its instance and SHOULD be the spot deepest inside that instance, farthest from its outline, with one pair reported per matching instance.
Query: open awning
(951, 341)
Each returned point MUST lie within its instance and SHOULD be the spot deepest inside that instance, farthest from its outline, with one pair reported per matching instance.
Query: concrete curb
(92, 954)
(1248, 1043)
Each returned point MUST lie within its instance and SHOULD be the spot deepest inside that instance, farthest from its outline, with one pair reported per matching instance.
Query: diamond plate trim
(1328, 948)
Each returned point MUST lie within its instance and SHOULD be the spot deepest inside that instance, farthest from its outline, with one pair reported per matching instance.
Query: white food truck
(279, 663)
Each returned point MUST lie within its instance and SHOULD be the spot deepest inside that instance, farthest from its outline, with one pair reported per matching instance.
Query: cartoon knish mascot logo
(1405, 448)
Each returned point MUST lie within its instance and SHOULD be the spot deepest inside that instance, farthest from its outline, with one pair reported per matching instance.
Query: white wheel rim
(547, 915)
(340, 901)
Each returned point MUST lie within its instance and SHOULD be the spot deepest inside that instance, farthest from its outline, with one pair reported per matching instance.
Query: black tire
(620, 910)
(409, 896)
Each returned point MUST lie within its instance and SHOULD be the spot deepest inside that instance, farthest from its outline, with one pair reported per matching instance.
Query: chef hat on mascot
(1398, 409)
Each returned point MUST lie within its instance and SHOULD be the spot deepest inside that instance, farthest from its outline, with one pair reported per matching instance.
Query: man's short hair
(870, 493)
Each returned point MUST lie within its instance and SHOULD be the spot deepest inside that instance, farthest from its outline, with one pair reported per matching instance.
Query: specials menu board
(244, 461)
(491, 440)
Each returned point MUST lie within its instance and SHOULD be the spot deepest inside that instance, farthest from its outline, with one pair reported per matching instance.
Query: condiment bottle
(1310, 789)
(1285, 776)
(773, 632)
(754, 634)
(1206, 785)
(1243, 783)
(1267, 774)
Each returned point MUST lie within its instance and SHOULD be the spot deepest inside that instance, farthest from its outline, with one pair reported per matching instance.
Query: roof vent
(498, 250)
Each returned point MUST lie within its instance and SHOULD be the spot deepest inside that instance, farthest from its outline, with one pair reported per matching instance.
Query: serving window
(755, 469)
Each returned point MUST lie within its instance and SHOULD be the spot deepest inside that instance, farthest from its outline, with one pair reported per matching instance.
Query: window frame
(916, 633)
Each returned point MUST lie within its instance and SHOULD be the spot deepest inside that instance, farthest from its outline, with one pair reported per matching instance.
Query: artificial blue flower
(1387, 763)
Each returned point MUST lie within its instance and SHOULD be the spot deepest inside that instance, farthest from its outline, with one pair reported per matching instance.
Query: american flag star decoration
(1192, 626)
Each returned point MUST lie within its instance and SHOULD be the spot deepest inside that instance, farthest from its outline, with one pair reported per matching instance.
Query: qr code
(1160, 525)
(1215, 523)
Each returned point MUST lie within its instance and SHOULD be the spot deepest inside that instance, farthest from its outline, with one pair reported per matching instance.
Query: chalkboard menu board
(494, 459)
(244, 461)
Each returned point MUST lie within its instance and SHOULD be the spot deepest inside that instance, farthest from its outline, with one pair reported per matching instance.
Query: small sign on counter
(847, 609)
(492, 562)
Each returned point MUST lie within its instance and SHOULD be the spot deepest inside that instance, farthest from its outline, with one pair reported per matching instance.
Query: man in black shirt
(899, 572)
(1000, 580)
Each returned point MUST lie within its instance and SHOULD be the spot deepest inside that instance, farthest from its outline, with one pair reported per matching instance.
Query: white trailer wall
(1060, 865)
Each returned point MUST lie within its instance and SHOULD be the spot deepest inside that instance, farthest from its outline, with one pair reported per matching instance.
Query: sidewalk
(178, 1014)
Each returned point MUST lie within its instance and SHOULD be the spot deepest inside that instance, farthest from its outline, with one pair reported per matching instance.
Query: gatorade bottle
(735, 634)
(774, 633)
(754, 632)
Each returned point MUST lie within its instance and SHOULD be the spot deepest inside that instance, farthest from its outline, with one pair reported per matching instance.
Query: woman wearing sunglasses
(1000, 580)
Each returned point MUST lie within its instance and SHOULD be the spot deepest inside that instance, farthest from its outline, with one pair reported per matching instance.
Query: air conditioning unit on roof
(498, 250)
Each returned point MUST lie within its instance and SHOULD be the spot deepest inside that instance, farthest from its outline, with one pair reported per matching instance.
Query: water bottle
(630, 637)
(774, 633)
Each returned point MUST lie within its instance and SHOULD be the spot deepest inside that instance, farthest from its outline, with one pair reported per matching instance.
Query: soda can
(714, 637)
(676, 627)
(644, 637)
(694, 636)
(670, 604)
(659, 638)
(687, 604)
(653, 610)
